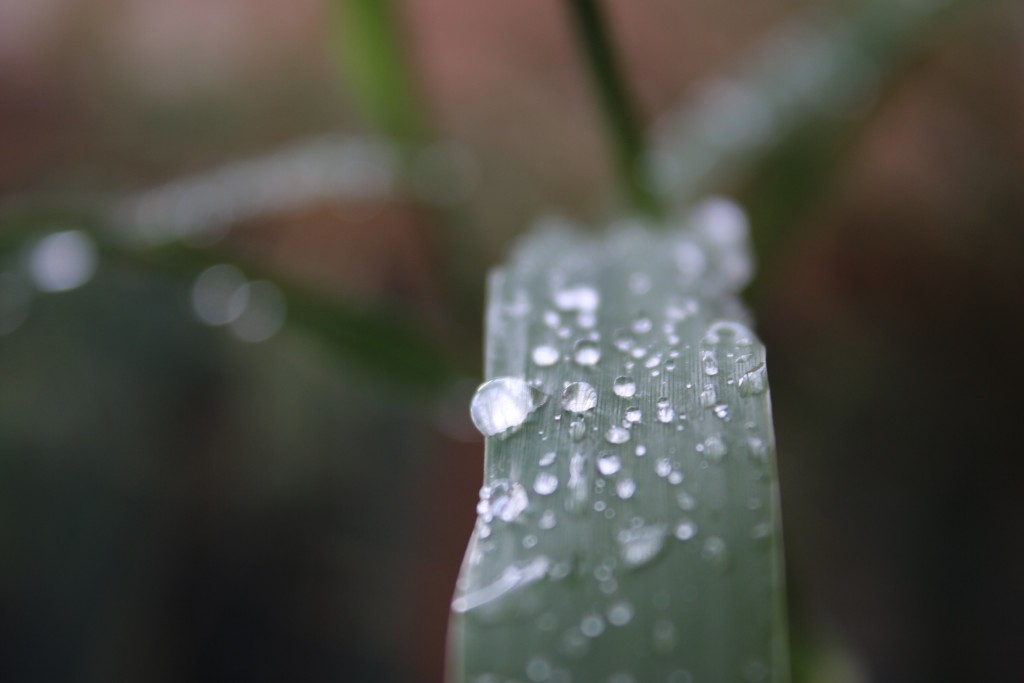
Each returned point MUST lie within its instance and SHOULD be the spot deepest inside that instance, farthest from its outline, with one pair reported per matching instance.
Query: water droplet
(639, 283)
(586, 319)
(579, 483)
(617, 435)
(758, 449)
(633, 415)
(620, 613)
(686, 501)
(640, 546)
(653, 362)
(664, 636)
(625, 488)
(663, 467)
(545, 355)
(538, 670)
(675, 477)
(547, 520)
(62, 261)
(624, 387)
(552, 319)
(503, 499)
(686, 529)
(578, 298)
(579, 397)
(503, 404)
(666, 413)
(608, 464)
(641, 451)
(577, 430)
(722, 411)
(592, 625)
(623, 340)
(529, 541)
(642, 325)
(714, 447)
(716, 552)
(586, 352)
(753, 382)
(547, 459)
(545, 484)
(708, 396)
(709, 363)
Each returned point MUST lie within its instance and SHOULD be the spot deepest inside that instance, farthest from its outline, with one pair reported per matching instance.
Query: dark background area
(178, 505)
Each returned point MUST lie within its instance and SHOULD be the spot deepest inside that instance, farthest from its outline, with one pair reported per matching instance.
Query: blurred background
(240, 313)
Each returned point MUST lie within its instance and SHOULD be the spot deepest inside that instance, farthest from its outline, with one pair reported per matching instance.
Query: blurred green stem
(619, 115)
(371, 44)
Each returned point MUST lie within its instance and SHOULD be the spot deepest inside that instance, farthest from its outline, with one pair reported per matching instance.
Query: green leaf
(628, 527)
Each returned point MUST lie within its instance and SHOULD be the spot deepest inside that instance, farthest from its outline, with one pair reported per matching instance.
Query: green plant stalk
(370, 41)
(627, 141)
(646, 548)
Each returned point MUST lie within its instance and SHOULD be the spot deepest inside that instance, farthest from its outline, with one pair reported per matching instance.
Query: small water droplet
(586, 352)
(545, 484)
(716, 552)
(641, 451)
(538, 670)
(714, 447)
(625, 488)
(547, 520)
(624, 387)
(666, 413)
(653, 362)
(623, 340)
(577, 298)
(592, 625)
(545, 355)
(640, 546)
(675, 477)
(633, 415)
(617, 435)
(620, 613)
(552, 319)
(642, 325)
(577, 430)
(686, 529)
(758, 449)
(62, 261)
(547, 459)
(579, 397)
(586, 319)
(722, 411)
(709, 363)
(639, 283)
(608, 464)
(579, 482)
(529, 541)
(708, 396)
(663, 467)
(503, 404)
(686, 501)
(503, 499)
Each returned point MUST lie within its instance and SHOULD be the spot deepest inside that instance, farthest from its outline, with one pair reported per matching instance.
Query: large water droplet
(545, 355)
(586, 352)
(624, 387)
(502, 404)
(579, 397)
(608, 464)
(753, 382)
(639, 546)
(617, 435)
